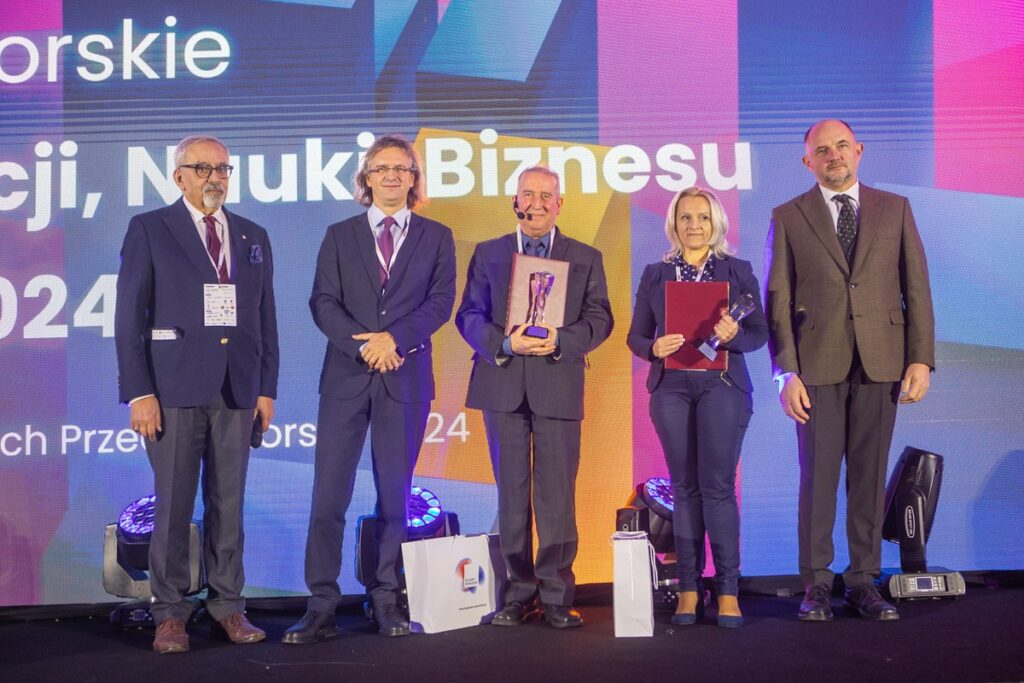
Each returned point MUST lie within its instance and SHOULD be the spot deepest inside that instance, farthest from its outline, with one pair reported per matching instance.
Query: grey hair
(718, 245)
(182, 148)
(543, 170)
(418, 191)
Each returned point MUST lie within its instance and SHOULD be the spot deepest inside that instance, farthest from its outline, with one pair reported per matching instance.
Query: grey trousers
(214, 439)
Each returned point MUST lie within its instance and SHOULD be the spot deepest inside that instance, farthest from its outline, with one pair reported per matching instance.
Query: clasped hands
(726, 329)
(380, 351)
(523, 345)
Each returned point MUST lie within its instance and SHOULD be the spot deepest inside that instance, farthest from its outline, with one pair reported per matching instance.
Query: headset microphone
(521, 215)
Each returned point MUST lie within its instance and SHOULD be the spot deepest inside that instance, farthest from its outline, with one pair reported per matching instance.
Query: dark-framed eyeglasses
(204, 170)
(387, 170)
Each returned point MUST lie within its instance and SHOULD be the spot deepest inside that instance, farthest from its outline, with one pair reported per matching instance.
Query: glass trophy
(540, 287)
(743, 307)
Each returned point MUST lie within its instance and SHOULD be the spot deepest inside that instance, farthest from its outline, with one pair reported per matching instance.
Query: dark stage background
(631, 101)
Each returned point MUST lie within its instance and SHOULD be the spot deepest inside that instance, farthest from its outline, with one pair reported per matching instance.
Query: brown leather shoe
(171, 637)
(239, 630)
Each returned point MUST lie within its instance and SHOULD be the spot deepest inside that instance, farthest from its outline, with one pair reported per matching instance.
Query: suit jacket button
(224, 340)
(853, 285)
(384, 312)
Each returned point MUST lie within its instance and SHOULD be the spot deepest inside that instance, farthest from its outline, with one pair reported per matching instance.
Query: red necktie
(213, 246)
(386, 243)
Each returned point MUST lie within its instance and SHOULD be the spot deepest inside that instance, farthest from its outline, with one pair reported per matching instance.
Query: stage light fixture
(126, 561)
(651, 496)
(425, 514)
(136, 521)
(911, 499)
(427, 519)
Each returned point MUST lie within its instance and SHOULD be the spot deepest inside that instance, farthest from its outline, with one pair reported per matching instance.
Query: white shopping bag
(453, 582)
(633, 589)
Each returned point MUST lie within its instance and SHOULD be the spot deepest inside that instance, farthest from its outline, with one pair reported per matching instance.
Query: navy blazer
(553, 387)
(164, 265)
(649, 318)
(347, 300)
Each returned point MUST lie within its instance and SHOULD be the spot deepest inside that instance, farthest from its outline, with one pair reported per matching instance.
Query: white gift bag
(633, 588)
(452, 582)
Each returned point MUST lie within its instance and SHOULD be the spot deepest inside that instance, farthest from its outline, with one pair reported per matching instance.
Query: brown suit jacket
(819, 308)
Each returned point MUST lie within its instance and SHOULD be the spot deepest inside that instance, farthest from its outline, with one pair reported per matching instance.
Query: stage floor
(979, 638)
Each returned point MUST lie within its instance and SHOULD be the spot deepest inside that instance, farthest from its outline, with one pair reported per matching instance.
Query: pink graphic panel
(979, 94)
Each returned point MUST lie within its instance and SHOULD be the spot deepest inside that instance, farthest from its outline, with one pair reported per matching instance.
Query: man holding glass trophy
(535, 303)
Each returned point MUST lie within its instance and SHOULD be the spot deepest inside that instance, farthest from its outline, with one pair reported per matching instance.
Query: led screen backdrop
(629, 101)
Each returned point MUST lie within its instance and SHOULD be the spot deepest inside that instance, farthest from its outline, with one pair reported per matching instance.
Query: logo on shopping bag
(470, 574)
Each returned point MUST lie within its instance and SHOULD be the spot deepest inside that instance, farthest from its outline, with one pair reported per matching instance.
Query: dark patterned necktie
(846, 227)
(386, 242)
(213, 246)
(535, 248)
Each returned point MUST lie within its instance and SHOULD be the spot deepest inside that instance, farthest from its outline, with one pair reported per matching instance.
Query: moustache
(213, 187)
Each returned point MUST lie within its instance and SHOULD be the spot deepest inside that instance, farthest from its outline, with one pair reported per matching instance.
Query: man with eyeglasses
(385, 282)
(196, 338)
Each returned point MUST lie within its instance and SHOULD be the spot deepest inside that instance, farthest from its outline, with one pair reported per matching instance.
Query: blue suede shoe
(690, 618)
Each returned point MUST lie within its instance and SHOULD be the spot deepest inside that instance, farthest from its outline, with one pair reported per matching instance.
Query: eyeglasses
(204, 170)
(385, 170)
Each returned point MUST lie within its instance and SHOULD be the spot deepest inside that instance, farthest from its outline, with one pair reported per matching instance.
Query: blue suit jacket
(347, 300)
(649, 318)
(164, 265)
(554, 387)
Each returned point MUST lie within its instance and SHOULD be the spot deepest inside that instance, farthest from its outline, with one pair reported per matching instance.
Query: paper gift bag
(633, 587)
(452, 582)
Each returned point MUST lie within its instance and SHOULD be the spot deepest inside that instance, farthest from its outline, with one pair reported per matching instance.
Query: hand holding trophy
(743, 307)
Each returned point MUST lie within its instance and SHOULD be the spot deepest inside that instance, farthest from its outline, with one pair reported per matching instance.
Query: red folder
(692, 309)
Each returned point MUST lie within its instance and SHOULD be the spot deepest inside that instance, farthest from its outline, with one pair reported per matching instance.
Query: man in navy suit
(196, 337)
(531, 389)
(385, 282)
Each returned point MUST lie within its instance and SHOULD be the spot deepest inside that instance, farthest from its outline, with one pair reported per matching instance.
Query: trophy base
(536, 332)
(709, 351)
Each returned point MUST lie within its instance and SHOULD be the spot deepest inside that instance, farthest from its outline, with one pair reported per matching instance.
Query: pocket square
(255, 254)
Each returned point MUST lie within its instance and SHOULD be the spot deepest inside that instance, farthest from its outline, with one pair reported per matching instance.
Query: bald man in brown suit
(851, 335)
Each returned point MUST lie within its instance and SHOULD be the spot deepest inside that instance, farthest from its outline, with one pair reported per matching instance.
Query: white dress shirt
(834, 206)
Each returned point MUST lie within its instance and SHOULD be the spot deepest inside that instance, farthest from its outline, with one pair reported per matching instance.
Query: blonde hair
(718, 245)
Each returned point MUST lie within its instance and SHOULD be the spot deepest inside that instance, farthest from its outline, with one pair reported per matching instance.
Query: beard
(838, 175)
(213, 195)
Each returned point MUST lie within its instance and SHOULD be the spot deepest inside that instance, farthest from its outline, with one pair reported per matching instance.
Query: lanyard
(551, 240)
(700, 273)
(398, 242)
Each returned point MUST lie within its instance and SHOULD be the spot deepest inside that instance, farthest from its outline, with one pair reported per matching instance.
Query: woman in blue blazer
(700, 416)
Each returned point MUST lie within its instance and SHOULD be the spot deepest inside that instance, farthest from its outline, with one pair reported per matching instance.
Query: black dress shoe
(390, 621)
(817, 604)
(562, 616)
(514, 613)
(869, 604)
(312, 627)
